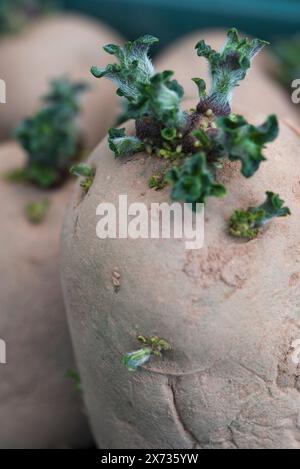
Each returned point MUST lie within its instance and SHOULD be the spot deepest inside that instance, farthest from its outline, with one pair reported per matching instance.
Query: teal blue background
(168, 19)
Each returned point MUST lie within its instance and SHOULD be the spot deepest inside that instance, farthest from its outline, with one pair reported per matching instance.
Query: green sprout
(155, 96)
(169, 134)
(74, 375)
(152, 346)
(52, 138)
(247, 223)
(36, 212)
(88, 172)
(228, 68)
(134, 66)
(157, 181)
(148, 94)
(191, 146)
(160, 99)
(193, 181)
(123, 145)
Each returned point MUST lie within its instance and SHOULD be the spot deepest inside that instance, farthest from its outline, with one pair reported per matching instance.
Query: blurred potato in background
(56, 45)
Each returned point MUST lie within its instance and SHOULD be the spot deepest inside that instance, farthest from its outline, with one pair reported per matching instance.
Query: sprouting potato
(229, 310)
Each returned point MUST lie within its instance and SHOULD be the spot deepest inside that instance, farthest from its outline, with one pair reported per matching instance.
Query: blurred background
(168, 19)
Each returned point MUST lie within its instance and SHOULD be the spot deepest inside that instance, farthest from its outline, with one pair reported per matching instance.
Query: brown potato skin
(39, 405)
(52, 47)
(230, 311)
(258, 93)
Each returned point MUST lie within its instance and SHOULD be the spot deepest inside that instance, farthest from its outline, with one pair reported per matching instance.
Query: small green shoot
(52, 138)
(193, 182)
(157, 181)
(147, 94)
(74, 375)
(152, 346)
(36, 212)
(88, 172)
(228, 68)
(247, 223)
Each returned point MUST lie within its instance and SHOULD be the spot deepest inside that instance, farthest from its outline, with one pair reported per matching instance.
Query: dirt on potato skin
(230, 311)
(39, 406)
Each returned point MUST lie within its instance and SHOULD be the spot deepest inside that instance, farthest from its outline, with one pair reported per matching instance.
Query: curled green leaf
(123, 145)
(201, 85)
(273, 207)
(133, 360)
(134, 66)
(82, 169)
(245, 142)
(246, 223)
(193, 182)
(169, 134)
(160, 99)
